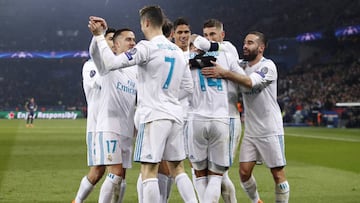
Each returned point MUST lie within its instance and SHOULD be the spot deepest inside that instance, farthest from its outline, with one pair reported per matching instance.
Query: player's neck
(256, 60)
(184, 49)
(153, 33)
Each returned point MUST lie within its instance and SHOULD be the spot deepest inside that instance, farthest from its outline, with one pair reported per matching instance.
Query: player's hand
(215, 71)
(100, 20)
(97, 25)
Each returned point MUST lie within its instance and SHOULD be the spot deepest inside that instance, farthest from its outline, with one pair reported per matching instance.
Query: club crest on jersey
(92, 73)
(130, 53)
(262, 72)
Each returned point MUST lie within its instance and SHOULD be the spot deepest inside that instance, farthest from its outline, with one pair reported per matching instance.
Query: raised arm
(103, 56)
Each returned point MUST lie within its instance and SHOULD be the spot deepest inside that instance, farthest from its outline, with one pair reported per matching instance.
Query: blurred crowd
(313, 87)
(56, 84)
(280, 18)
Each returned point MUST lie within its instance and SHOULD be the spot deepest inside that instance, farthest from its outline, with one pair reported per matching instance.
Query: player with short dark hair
(214, 104)
(158, 118)
(264, 133)
(213, 42)
(30, 107)
(115, 123)
(92, 89)
(168, 29)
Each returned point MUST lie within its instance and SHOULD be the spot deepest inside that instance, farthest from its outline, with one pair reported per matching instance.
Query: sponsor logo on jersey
(129, 88)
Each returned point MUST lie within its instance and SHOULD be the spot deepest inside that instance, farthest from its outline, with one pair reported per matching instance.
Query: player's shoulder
(228, 43)
(89, 64)
(267, 66)
(143, 43)
(267, 62)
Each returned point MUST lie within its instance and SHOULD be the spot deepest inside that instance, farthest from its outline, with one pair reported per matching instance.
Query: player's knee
(95, 174)
(116, 170)
(244, 173)
(278, 174)
(217, 169)
(200, 168)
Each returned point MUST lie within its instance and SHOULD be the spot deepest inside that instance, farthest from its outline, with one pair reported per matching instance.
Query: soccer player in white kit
(115, 125)
(264, 133)
(92, 88)
(211, 129)
(182, 40)
(161, 69)
(213, 31)
(164, 177)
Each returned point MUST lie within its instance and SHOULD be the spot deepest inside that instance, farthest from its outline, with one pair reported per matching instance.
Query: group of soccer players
(162, 93)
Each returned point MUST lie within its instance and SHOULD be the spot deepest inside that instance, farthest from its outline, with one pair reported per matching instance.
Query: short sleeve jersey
(262, 112)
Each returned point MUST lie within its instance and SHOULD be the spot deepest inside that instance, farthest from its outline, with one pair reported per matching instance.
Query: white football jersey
(215, 98)
(233, 91)
(117, 101)
(227, 57)
(262, 112)
(185, 101)
(91, 88)
(162, 73)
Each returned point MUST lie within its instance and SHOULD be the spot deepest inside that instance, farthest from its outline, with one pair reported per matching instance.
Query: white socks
(151, 191)
(185, 188)
(163, 187)
(139, 189)
(122, 191)
(84, 190)
(119, 196)
(282, 192)
(213, 189)
(200, 186)
(228, 192)
(108, 188)
(250, 189)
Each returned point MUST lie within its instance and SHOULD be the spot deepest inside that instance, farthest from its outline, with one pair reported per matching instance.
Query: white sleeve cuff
(202, 43)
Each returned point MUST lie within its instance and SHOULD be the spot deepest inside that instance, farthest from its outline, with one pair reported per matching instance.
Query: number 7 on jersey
(168, 79)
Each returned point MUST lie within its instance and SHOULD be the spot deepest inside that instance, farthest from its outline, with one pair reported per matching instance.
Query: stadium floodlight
(347, 31)
(45, 55)
(309, 36)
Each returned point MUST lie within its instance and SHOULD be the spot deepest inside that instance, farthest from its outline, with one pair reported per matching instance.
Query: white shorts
(210, 140)
(186, 138)
(268, 149)
(107, 148)
(159, 140)
(235, 133)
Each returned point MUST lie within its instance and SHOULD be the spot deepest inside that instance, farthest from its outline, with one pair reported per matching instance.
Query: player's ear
(261, 48)
(147, 22)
